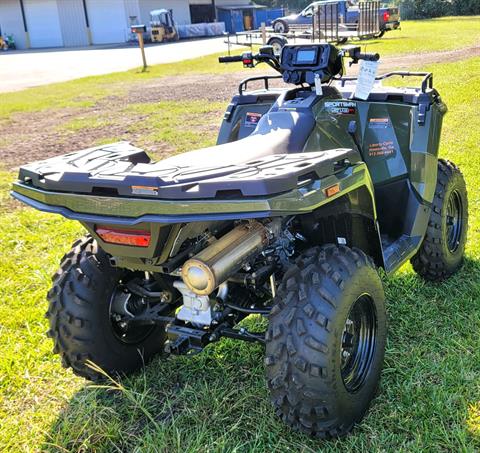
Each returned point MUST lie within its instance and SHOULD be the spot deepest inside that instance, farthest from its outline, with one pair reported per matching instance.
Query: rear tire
(442, 249)
(280, 27)
(322, 372)
(80, 319)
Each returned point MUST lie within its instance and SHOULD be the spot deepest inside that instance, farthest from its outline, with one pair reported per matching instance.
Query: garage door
(11, 22)
(108, 22)
(43, 23)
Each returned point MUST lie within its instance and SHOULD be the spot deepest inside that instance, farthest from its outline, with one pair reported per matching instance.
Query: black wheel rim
(358, 343)
(454, 221)
(124, 331)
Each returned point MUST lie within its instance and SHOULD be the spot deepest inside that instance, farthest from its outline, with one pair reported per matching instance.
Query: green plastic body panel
(393, 143)
(398, 135)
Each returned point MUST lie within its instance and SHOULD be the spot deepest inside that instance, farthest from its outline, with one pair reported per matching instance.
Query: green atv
(308, 192)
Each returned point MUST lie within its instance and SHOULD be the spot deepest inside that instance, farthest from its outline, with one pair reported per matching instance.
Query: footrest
(396, 253)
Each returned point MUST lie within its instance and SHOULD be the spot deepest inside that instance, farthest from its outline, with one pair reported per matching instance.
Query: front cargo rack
(427, 81)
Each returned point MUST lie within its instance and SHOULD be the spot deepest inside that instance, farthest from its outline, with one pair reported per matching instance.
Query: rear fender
(243, 114)
(348, 220)
(166, 241)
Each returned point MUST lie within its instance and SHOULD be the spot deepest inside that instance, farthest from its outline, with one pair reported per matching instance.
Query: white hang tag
(318, 85)
(366, 79)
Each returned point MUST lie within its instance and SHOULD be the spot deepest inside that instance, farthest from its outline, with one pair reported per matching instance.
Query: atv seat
(247, 149)
(276, 133)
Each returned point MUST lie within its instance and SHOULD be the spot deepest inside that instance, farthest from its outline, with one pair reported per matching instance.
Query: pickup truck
(348, 10)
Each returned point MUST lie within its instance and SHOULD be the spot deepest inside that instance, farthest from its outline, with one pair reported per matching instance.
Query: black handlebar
(266, 55)
(231, 59)
(367, 56)
(249, 59)
(354, 53)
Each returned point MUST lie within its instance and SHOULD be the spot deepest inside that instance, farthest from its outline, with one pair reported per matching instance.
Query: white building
(58, 23)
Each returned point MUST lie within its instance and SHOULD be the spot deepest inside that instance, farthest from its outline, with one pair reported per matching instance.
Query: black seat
(276, 133)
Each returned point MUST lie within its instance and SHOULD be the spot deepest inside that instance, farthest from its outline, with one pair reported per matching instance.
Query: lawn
(433, 35)
(217, 401)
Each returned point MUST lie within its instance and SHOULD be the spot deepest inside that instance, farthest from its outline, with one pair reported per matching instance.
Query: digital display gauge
(306, 57)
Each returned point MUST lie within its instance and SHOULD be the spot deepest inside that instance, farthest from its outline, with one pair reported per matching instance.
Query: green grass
(86, 122)
(217, 401)
(415, 37)
(446, 33)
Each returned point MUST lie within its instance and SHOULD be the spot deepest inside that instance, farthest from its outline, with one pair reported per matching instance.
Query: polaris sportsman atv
(308, 191)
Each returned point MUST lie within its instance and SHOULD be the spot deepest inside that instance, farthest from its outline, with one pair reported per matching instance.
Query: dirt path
(221, 87)
(414, 61)
(33, 136)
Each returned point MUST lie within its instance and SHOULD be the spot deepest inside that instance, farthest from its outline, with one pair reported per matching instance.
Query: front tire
(80, 317)
(443, 247)
(325, 341)
(278, 43)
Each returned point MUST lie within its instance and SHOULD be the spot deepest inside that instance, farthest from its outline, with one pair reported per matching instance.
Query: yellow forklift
(162, 26)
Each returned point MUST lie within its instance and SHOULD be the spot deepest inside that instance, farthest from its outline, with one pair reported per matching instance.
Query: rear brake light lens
(136, 238)
(386, 16)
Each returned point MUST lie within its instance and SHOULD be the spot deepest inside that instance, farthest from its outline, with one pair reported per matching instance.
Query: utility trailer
(327, 24)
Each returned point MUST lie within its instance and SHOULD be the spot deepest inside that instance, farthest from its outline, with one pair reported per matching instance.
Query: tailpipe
(219, 261)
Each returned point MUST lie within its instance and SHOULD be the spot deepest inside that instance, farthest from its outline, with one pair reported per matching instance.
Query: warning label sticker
(341, 107)
(144, 190)
(378, 123)
(252, 119)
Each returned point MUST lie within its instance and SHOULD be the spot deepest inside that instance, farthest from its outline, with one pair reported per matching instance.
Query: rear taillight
(386, 16)
(136, 238)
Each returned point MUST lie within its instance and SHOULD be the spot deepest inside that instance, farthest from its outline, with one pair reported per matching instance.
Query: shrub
(423, 9)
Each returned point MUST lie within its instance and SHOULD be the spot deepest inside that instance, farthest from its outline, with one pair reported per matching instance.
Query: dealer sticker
(366, 79)
(341, 107)
(382, 149)
(252, 119)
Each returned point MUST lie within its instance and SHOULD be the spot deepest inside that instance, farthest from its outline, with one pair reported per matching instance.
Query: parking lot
(24, 69)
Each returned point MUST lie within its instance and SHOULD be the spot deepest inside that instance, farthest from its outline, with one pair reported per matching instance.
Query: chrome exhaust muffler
(215, 264)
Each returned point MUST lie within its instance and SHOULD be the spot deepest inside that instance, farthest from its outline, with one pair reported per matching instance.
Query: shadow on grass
(217, 400)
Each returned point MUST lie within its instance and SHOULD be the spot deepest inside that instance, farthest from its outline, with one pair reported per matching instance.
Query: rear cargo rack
(427, 81)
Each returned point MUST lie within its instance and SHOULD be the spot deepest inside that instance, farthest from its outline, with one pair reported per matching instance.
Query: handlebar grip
(368, 56)
(231, 59)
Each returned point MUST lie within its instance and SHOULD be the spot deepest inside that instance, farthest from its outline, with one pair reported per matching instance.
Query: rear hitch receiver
(187, 340)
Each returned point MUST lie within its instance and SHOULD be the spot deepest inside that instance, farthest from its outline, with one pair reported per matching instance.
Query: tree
(296, 5)
(410, 9)
(422, 9)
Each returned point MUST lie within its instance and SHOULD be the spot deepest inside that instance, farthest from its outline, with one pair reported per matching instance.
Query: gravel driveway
(24, 69)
